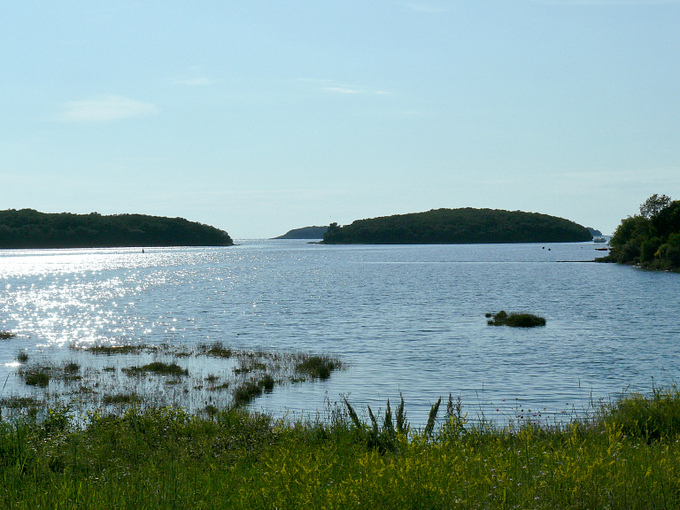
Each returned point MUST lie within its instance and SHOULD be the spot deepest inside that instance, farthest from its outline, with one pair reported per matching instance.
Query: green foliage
(157, 367)
(110, 350)
(36, 375)
(32, 229)
(248, 390)
(649, 418)
(317, 367)
(121, 399)
(304, 233)
(217, 350)
(231, 458)
(515, 320)
(654, 205)
(459, 226)
(652, 239)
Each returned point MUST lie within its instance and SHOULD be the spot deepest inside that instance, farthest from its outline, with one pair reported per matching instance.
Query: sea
(406, 320)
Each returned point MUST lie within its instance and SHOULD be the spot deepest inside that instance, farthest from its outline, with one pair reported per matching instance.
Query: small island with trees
(651, 239)
(459, 226)
(304, 233)
(27, 229)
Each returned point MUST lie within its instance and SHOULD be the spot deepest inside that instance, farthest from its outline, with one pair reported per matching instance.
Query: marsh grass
(247, 391)
(6, 335)
(121, 399)
(233, 458)
(157, 368)
(216, 350)
(316, 367)
(36, 375)
(19, 402)
(112, 350)
(209, 375)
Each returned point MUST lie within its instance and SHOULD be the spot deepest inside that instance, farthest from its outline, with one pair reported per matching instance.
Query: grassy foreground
(628, 456)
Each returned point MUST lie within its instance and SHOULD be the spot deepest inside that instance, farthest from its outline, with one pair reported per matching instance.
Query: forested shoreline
(459, 226)
(650, 239)
(27, 228)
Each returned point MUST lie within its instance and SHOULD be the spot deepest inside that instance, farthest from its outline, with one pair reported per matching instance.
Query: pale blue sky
(258, 117)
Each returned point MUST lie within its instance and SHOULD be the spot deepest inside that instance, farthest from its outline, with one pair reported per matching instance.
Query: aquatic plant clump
(149, 375)
(216, 350)
(6, 335)
(247, 391)
(317, 367)
(36, 376)
(110, 350)
(157, 367)
(515, 320)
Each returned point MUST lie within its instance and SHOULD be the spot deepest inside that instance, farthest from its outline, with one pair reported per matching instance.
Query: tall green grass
(625, 456)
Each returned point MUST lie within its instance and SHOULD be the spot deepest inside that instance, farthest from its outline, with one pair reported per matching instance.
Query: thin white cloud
(105, 109)
(333, 87)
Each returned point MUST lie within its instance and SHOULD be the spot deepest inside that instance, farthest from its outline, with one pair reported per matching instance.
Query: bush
(516, 320)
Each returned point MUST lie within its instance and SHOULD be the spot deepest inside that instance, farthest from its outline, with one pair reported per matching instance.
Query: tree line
(650, 239)
(459, 226)
(28, 228)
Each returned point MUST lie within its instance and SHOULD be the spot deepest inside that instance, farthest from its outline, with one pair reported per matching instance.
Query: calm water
(406, 319)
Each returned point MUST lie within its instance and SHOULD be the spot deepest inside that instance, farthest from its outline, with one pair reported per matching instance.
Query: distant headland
(459, 226)
(27, 228)
(304, 233)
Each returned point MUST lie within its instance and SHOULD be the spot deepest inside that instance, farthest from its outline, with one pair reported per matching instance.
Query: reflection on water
(407, 319)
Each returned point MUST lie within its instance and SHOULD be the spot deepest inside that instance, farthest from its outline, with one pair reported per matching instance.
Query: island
(459, 226)
(304, 233)
(27, 228)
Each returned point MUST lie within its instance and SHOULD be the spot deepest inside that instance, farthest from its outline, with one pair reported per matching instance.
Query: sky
(259, 117)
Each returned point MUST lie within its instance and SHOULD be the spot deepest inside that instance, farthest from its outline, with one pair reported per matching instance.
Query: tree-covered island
(459, 226)
(304, 233)
(650, 239)
(27, 228)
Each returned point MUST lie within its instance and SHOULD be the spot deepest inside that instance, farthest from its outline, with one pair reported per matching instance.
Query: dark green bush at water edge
(650, 239)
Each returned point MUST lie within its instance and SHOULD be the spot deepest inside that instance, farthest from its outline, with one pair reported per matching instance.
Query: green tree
(654, 205)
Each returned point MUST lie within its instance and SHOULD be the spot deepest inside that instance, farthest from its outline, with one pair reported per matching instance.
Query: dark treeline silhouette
(304, 233)
(28, 228)
(459, 226)
(650, 239)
